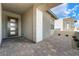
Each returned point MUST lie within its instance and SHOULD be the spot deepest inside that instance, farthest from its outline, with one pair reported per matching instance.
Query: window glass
(12, 20)
(12, 28)
(12, 24)
(12, 33)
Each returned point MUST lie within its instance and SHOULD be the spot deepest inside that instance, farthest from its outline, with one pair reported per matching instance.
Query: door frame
(8, 19)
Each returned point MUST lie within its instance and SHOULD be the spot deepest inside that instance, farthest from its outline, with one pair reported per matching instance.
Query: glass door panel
(12, 20)
(12, 33)
(13, 24)
(12, 27)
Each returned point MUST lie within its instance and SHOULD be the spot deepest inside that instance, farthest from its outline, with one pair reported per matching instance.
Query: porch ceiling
(17, 7)
(22, 7)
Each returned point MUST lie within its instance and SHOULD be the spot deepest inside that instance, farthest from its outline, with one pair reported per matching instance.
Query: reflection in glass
(12, 33)
(12, 24)
(12, 20)
(12, 28)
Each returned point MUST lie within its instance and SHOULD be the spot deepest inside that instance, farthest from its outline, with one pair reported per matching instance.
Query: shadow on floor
(16, 40)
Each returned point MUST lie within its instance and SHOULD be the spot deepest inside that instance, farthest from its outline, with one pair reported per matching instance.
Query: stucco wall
(0, 23)
(27, 24)
(32, 27)
(46, 25)
(4, 22)
(34, 23)
(39, 25)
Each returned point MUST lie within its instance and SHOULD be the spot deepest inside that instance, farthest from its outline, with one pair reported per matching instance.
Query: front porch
(53, 46)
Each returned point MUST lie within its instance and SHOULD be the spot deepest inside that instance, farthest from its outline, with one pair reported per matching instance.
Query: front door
(12, 27)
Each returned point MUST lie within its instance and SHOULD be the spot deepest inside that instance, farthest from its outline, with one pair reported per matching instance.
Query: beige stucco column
(39, 19)
(37, 24)
(0, 23)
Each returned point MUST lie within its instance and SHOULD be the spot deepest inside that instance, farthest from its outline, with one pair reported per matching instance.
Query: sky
(67, 10)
